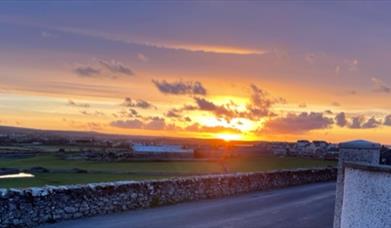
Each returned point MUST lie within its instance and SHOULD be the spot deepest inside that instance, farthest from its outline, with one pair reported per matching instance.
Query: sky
(232, 70)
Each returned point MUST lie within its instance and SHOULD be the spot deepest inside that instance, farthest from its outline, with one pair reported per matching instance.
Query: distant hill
(98, 135)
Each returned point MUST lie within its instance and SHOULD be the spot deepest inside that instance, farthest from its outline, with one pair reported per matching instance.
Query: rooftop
(360, 144)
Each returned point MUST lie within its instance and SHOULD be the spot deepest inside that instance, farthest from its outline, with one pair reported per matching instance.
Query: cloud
(142, 57)
(302, 105)
(156, 123)
(96, 113)
(129, 113)
(371, 123)
(340, 119)
(129, 102)
(130, 124)
(259, 106)
(329, 112)
(180, 87)
(298, 123)
(387, 120)
(188, 47)
(218, 110)
(334, 103)
(86, 71)
(48, 35)
(149, 123)
(80, 105)
(212, 129)
(116, 67)
(173, 113)
(357, 122)
(380, 86)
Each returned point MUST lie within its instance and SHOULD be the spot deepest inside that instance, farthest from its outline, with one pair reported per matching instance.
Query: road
(295, 207)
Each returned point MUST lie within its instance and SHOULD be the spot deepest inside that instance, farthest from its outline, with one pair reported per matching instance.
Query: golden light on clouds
(215, 49)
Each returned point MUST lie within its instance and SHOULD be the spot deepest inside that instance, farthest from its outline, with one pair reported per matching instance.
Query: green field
(142, 169)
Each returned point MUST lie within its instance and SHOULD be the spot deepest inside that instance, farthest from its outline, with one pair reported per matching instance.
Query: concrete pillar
(359, 151)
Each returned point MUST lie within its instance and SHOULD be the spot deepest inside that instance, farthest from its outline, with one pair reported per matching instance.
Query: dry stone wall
(33, 206)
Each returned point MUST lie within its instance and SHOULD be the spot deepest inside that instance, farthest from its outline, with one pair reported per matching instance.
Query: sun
(228, 137)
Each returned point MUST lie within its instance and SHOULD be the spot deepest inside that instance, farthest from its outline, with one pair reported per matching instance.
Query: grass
(143, 170)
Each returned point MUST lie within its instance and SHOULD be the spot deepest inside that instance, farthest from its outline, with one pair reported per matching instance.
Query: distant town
(21, 142)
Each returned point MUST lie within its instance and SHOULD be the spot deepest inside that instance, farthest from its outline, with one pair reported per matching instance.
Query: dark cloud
(128, 113)
(116, 67)
(329, 112)
(180, 87)
(129, 102)
(148, 123)
(173, 113)
(86, 71)
(387, 120)
(130, 124)
(340, 119)
(80, 105)
(260, 104)
(156, 123)
(218, 110)
(371, 123)
(357, 122)
(301, 123)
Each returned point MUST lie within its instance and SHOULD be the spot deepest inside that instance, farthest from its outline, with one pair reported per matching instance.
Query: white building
(368, 151)
(162, 151)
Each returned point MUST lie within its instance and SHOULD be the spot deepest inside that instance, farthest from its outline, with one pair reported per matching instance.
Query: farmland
(100, 171)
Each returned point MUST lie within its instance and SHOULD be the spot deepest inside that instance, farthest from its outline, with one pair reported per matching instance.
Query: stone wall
(32, 206)
(369, 154)
(367, 196)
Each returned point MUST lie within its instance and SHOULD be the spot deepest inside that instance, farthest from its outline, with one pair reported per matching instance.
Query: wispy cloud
(133, 103)
(76, 104)
(380, 86)
(180, 87)
(101, 67)
(115, 67)
(171, 45)
(86, 71)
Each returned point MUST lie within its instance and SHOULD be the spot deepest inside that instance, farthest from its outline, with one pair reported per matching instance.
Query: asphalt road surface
(303, 206)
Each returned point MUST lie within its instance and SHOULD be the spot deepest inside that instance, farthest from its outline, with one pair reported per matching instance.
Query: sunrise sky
(248, 71)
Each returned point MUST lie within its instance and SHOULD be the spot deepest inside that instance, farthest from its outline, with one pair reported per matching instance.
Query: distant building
(280, 148)
(369, 151)
(162, 151)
